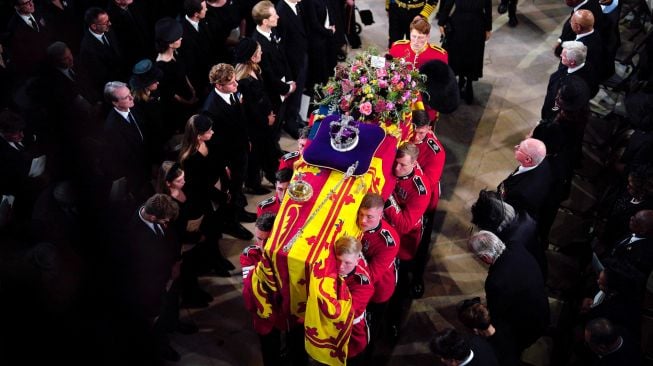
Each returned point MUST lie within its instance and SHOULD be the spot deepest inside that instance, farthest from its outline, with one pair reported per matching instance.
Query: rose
(379, 107)
(381, 73)
(383, 84)
(363, 80)
(395, 78)
(365, 108)
(344, 105)
(330, 89)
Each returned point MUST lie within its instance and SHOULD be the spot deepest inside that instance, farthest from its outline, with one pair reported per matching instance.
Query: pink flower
(389, 106)
(395, 79)
(363, 80)
(381, 73)
(347, 86)
(365, 108)
(344, 106)
(408, 78)
(383, 83)
(330, 89)
(379, 106)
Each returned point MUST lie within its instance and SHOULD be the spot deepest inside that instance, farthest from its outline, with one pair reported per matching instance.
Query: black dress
(466, 39)
(174, 83)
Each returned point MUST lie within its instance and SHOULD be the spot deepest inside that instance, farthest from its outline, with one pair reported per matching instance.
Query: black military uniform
(402, 12)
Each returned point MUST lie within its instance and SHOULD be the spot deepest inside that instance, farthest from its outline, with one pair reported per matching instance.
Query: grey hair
(535, 148)
(485, 243)
(110, 90)
(576, 51)
(508, 214)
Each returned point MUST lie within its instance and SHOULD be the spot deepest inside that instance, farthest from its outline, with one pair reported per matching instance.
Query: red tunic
(361, 289)
(380, 248)
(401, 49)
(270, 204)
(431, 159)
(409, 202)
(249, 258)
(288, 160)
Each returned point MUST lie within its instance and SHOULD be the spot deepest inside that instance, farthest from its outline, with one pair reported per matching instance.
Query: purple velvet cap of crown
(319, 152)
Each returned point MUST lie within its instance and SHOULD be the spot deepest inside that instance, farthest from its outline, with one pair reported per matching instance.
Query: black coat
(638, 253)
(126, 155)
(321, 49)
(515, 295)
(274, 67)
(466, 39)
(483, 352)
(556, 79)
(27, 46)
(196, 53)
(292, 31)
(522, 232)
(100, 64)
(595, 55)
(528, 191)
(134, 36)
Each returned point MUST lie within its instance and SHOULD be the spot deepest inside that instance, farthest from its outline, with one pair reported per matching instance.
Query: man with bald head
(567, 33)
(582, 24)
(529, 185)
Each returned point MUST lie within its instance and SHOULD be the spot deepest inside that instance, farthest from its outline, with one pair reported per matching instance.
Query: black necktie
(105, 40)
(32, 22)
(159, 231)
(299, 10)
(232, 99)
(132, 121)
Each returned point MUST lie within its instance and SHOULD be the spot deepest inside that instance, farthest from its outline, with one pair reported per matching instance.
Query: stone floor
(478, 139)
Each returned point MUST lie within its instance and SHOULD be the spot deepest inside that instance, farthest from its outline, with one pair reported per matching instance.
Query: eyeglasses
(128, 96)
(25, 3)
(518, 150)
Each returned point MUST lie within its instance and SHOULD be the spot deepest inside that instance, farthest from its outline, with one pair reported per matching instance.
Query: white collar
(195, 24)
(574, 69)
(607, 9)
(124, 115)
(97, 36)
(267, 35)
(579, 5)
(292, 5)
(522, 169)
(225, 96)
(468, 359)
(579, 36)
(27, 18)
(148, 223)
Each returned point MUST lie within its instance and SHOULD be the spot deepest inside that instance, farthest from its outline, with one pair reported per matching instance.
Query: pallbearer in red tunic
(355, 272)
(380, 247)
(288, 160)
(272, 204)
(268, 332)
(404, 211)
(431, 159)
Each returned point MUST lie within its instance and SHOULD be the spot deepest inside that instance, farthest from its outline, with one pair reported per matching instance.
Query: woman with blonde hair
(260, 114)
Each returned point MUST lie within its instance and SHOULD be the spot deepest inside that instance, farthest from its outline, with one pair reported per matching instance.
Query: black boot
(469, 92)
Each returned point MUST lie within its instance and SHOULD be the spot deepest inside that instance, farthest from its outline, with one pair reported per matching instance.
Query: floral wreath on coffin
(372, 88)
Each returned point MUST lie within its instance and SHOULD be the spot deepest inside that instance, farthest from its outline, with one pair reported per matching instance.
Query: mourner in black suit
(28, 38)
(513, 227)
(452, 348)
(230, 126)
(292, 31)
(610, 345)
(322, 49)
(197, 48)
(582, 23)
(100, 58)
(529, 185)
(274, 66)
(637, 248)
(125, 136)
(567, 33)
(514, 288)
(130, 25)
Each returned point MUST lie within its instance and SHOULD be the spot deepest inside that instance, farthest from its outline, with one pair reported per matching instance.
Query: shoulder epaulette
(387, 236)
(249, 248)
(419, 183)
(290, 155)
(402, 41)
(267, 202)
(433, 145)
(362, 279)
(437, 48)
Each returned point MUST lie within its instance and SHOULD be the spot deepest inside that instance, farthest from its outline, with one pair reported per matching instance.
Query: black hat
(442, 91)
(202, 123)
(573, 94)
(244, 50)
(167, 30)
(144, 74)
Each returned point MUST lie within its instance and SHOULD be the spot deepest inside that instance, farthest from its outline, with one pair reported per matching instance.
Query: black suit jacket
(132, 32)
(638, 253)
(27, 47)
(555, 80)
(126, 155)
(595, 52)
(274, 67)
(528, 191)
(483, 352)
(515, 295)
(568, 34)
(197, 55)
(522, 231)
(15, 165)
(100, 64)
(292, 31)
(229, 124)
